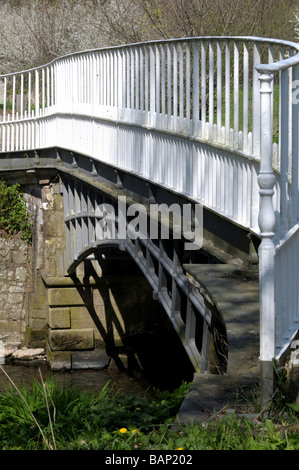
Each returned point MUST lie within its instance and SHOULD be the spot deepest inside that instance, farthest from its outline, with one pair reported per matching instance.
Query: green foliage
(13, 212)
(69, 419)
(73, 413)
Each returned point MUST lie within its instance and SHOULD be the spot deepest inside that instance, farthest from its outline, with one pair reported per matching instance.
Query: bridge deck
(236, 295)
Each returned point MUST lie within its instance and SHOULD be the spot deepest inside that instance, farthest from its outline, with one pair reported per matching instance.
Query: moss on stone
(35, 338)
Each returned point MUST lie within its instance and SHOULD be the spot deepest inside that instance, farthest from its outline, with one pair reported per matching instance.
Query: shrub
(13, 212)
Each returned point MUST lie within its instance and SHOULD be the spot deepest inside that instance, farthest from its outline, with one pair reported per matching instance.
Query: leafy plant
(13, 212)
(47, 415)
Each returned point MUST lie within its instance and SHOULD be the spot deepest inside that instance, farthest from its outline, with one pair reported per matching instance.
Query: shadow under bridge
(100, 234)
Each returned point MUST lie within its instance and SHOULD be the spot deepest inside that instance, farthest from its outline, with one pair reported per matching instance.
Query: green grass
(48, 416)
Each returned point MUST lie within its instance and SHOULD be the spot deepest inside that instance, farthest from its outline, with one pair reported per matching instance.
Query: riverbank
(89, 380)
(48, 416)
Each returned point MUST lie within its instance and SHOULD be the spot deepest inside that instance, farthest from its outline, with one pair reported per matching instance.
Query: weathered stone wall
(15, 286)
(23, 295)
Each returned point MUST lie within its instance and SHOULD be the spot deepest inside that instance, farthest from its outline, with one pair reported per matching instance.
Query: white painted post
(266, 181)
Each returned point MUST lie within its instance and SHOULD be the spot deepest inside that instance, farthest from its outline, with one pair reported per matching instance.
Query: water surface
(87, 380)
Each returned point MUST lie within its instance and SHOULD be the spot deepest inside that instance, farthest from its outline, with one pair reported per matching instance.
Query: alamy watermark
(136, 221)
(295, 92)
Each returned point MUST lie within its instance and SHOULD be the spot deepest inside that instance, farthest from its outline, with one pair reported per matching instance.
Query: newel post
(266, 220)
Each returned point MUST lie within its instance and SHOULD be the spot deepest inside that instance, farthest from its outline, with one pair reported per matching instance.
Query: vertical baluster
(110, 78)
(13, 96)
(271, 59)
(169, 85)
(284, 149)
(68, 85)
(291, 294)
(17, 135)
(3, 136)
(29, 132)
(97, 79)
(286, 289)
(281, 56)
(181, 85)
(295, 152)
(117, 82)
(74, 90)
(152, 86)
(105, 73)
(211, 88)
(195, 92)
(89, 79)
(22, 96)
(128, 79)
(12, 137)
(245, 96)
(43, 92)
(256, 108)
(141, 74)
(29, 94)
(188, 85)
(92, 81)
(132, 83)
(48, 88)
(203, 88)
(101, 76)
(123, 78)
(236, 94)
(280, 294)
(137, 83)
(219, 91)
(36, 93)
(21, 135)
(146, 84)
(163, 84)
(266, 181)
(105, 79)
(175, 85)
(33, 130)
(26, 130)
(158, 84)
(8, 134)
(85, 79)
(82, 80)
(4, 100)
(52, 87)
(290, 127)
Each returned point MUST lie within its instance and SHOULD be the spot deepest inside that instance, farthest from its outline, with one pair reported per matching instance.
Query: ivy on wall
(13, 212)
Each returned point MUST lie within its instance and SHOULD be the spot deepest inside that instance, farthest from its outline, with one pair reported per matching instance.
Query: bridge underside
(222, 239)
(181, 281)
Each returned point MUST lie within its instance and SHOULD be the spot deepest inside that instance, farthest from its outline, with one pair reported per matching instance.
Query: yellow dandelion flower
(123, 430)
(134, 430)
(179, 448)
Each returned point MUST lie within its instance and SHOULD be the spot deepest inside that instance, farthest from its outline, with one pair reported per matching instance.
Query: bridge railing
(199, 89)
(205, 87)
(222, 119)
(279, 215)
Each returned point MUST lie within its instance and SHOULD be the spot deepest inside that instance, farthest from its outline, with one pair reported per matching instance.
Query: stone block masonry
(15, 285)
(86, 316)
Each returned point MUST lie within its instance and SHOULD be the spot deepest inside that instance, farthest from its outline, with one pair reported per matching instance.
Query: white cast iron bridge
(212, 120)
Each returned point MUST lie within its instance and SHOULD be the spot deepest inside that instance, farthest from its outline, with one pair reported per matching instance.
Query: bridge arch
(193, 315)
